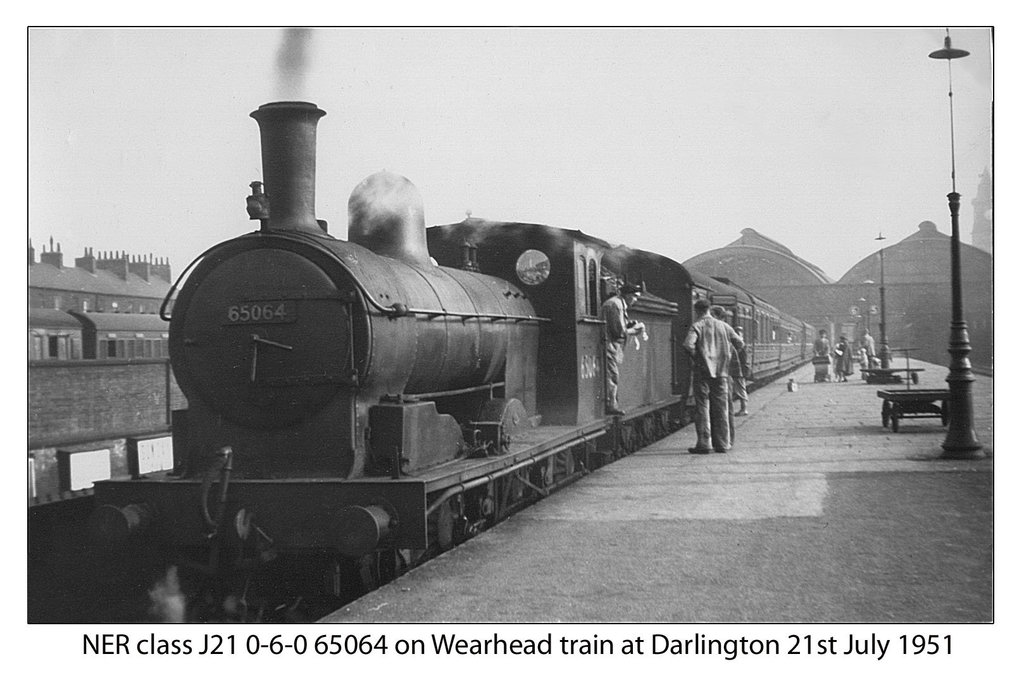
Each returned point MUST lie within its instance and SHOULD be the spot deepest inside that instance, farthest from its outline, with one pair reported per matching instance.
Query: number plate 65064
(260, 312)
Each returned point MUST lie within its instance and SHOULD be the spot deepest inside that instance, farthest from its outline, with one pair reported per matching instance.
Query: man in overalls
(617, 328)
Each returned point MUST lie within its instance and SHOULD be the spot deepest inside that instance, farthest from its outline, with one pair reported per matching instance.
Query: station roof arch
(922, 257)
(755, 260)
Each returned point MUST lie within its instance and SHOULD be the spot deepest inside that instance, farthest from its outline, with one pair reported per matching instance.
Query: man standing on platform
(616, 329)
(868, 344)
(710, 343)
(739, 369)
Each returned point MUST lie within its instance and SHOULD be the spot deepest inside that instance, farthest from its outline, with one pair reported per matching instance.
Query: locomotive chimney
(385, 214)
(288, 143)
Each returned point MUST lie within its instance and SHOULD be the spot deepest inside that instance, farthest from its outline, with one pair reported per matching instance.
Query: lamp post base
(961, 440)
(978, 453)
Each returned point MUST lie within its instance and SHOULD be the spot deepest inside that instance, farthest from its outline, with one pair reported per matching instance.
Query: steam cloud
(167, 603)
(293, 63)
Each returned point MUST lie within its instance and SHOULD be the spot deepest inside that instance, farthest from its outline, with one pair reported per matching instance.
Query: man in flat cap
(617, 328)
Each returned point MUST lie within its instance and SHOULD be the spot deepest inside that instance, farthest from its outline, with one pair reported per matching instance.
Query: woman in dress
(843, 359)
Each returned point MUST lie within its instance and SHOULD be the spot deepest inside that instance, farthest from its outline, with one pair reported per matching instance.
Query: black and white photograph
(672, 345)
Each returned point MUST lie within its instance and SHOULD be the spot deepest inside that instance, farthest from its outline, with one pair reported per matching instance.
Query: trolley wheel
(945, 413)
(895, 423)
(913, 377)
(886, 410)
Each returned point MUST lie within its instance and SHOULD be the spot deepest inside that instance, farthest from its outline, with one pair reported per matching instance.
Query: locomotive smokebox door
(269, 355)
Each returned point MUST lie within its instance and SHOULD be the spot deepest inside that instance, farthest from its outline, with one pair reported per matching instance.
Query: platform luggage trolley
(822, 367)
(907, 403)
(880, 376)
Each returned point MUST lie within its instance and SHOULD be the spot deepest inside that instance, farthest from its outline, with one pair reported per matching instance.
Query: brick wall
(91, 400)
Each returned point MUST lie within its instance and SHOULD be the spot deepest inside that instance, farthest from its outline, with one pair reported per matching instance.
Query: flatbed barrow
(889, 376)
(913, 404)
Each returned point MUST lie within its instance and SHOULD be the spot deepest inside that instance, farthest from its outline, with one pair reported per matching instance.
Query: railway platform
(818, 514)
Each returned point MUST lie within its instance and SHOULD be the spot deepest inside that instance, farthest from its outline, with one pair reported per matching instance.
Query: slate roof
(102, 282)
(121, 322)
(51, 318)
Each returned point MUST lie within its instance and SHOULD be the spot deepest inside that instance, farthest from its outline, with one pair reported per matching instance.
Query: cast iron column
(961, 440)
(883, 343)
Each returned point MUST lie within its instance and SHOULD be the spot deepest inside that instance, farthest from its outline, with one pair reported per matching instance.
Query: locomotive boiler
(285, 340)
(311, 362)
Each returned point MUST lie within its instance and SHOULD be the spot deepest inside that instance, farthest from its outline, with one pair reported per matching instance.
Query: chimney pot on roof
(86, 261)
(53, 257)
(141, 268)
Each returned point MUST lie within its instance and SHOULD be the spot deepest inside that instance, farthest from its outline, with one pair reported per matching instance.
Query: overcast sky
(671, 140)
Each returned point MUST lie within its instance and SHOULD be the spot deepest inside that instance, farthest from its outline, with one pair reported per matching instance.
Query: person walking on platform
(709, 342)
(739, 369)
(844, 359)
(719, 313)
(822, 359)
(868, 344)
(617, 328)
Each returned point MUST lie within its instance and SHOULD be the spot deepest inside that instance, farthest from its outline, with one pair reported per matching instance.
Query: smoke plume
(293, 63)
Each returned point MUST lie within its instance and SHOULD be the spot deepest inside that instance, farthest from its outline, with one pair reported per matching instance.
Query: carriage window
(111, 349)
(583, 293)
(54, 345)
(592, 295)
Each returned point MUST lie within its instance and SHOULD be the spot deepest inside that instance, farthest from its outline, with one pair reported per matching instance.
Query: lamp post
(961, 440)
(883, 342)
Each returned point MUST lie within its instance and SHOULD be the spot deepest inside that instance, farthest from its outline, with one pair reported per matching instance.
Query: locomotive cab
(565, 274)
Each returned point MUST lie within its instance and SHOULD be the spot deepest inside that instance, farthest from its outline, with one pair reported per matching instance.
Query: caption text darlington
(214, 644)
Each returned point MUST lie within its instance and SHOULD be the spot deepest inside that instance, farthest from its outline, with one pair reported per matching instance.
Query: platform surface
(818, 514)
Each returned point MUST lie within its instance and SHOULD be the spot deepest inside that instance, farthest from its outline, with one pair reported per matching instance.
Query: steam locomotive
(373, 400)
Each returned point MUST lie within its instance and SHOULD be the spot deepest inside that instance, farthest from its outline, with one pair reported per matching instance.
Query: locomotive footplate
(527, 446)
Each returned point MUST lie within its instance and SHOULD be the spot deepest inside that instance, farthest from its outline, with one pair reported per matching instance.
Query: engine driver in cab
(617, 328)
